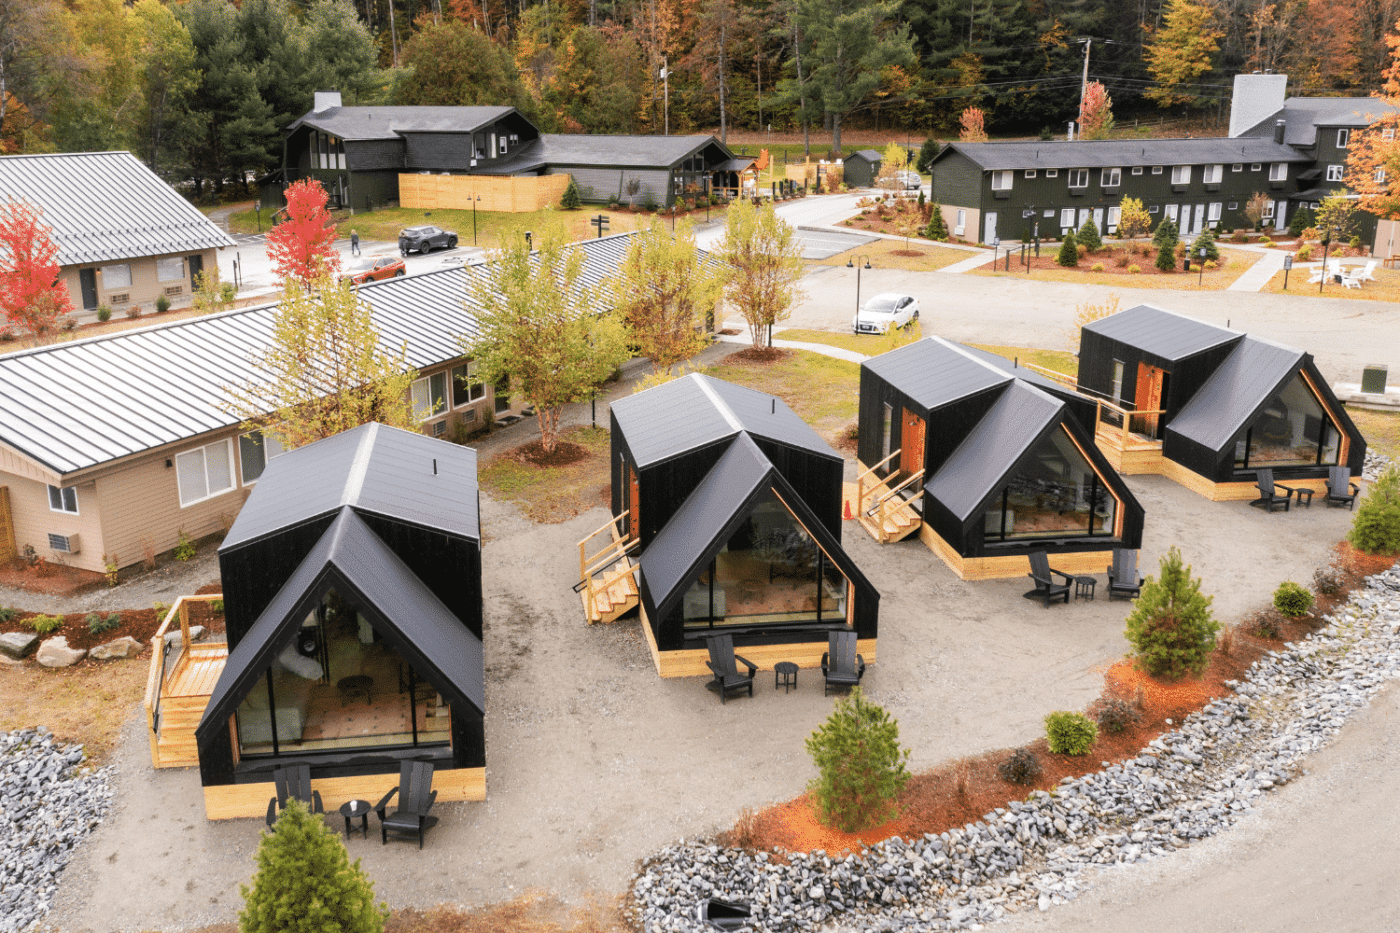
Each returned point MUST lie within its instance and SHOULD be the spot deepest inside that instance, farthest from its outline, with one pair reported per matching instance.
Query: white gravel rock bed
(48, 805)
(1185, 785)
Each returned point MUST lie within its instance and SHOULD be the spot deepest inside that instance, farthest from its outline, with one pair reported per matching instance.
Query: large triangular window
(1292, 430)
(1053, 494)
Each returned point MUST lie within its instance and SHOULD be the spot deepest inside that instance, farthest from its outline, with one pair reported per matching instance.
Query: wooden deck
(183, 698)
(882, 511)
(607, 583)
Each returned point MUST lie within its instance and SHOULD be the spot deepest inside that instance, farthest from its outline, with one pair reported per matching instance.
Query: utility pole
(666, 91)
(1084, 81)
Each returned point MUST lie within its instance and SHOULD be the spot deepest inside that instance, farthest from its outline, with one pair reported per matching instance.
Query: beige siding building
(125, 237)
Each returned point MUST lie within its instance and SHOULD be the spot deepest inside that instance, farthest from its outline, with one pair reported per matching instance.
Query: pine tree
(1088, 234)
(937, 227)
(1376, 528)
(1069, 252)
(1165, 233)
(1171, 627)
(1166, 255)
(1206, 240)
(1302, 219)
(861, 767)
(306, 883)
(571, 200)
(927, 152)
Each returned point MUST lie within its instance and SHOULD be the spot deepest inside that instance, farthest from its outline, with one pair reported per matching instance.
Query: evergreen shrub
(1069, 252)
(571, 201)
(1171, 627)
(1376, 528)
(1292, 600)
(861, 767)
(1070, 733)
(1088, 235)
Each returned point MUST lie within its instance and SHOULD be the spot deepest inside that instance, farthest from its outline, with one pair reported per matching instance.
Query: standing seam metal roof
(1235, 392)
(107, 206)
(1162, 333)
(1117, 153)
(935, 372)
(1303, 115)
(71, 406)
(391, 122)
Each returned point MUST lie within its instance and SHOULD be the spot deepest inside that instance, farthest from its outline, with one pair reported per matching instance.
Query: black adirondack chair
(293, 781)
(416, 798)
(841, 666)
(1340, 489)
(1046, 589)
(1272, 494)
(1123, 579)
(724, 664)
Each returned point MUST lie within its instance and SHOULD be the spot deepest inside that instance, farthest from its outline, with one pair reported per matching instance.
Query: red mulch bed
(962, 791)
(563, 454)
(49, 578)
(761, 355)
(140, 624)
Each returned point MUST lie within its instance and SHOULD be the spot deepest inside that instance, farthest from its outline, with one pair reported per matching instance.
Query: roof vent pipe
(435, 466)
(1278, 131)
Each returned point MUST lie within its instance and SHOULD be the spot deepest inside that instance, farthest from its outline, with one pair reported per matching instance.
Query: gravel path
(164, 584)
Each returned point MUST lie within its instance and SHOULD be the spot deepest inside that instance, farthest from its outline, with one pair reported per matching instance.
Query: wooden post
(184, 611)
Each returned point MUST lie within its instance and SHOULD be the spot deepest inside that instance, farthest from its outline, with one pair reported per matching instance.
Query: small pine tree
(1171, 627)
(1206, 240)
(571, 201)
(1088, 235)
(861, 768)
(1165, 233)
(921, 200)
(306, 884)
(937, 226)
(1376, 528)
(1069, 252)
(1301, 221)
(1166, 257)
(927, 152)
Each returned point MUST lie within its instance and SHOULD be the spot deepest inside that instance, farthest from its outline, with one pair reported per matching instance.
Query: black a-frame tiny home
(352, 599)
(996, 461)
(735, 504)
(1208, 406)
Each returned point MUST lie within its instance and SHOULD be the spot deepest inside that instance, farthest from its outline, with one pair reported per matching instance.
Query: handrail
(155, 679)
(860, 480)
(611, 524)
(1064, 379)
(1121, 431)
(913, 477)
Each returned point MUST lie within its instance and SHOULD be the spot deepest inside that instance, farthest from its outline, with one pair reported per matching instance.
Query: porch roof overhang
(351, 559)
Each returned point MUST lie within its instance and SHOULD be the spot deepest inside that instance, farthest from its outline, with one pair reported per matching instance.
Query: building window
(1213, 213)
(1030, 173)
(1067, 217)
(255, 449)
(1114, 213)
(1278, 171)
(1054, 494)
(1255, 166)
(1380, 176)
(1153, 209)
(1137, 169)
(1078, 177)
(1052, 173)
(63, 500)
(1181, 174)
(1237, 167)
(1116, 390)
(467, 386)
(1213, 174)
(1292, 430)
(116, 276)
(1156, 170)
(1343, 138)
(204, 472)
(1388, 133)
(1001, 181)
(1111, 177)
(504, 144)
(1268, 211)
(429, 396)
(171, 269)
(885, 430)
(1334, 172)
(1233, 206)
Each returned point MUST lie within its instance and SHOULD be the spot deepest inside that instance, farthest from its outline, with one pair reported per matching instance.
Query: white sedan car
(884, 312)
(909, 181)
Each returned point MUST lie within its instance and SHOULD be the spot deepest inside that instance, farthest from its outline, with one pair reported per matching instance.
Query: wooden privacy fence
(7, 527)
(513, 194)
(805, 173)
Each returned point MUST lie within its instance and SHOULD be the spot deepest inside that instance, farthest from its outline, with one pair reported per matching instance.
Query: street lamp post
(1326, 242)
(529, 241)
(1201, 263)
(474, 200)
(852, 264)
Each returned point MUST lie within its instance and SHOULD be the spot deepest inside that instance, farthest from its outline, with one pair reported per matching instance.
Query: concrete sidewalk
(1254, 279)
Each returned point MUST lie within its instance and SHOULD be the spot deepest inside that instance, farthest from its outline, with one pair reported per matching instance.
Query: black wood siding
(448, 566)
(254, 574)
(367, 155)
(816, 479)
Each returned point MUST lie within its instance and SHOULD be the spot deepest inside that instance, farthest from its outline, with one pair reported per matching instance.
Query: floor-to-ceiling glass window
(1292, 430)
(1054, 494)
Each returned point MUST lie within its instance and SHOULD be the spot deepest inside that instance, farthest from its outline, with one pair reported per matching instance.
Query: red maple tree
(302, 247)
(30, 293)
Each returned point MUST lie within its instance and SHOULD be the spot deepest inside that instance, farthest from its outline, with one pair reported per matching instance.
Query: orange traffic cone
(848, 516)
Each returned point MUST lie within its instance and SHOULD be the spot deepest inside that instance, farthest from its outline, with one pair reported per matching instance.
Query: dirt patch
(730, 332)
(563, 454)
(906, 253)
(48, 578)
(140, 624)
(86, 703)
(759, 355)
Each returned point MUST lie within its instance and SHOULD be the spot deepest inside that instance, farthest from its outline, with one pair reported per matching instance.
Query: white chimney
(325, 100)
(1256, 98)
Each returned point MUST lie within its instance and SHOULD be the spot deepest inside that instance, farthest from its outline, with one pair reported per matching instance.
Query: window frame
(1336, 172)
(1052, 173)
(1030, 173)
(203, 451)
(1115, 387)
(1107, 180)
(1343, 139)
(1181, 174)
(1268, 210)
(266, 443)
(437, 404)
(1079, 174)
(1278, 171)
(179, 262)
(64, 494)
(1156, 170)
(1213, 173)
(1112, 217)
(1213, 211)
(1388, 134)
(1005, 176)
(1070, 224)
(109, 270)
(475, 391)
(1237, 167)
(1380, 175)
(1137, 169)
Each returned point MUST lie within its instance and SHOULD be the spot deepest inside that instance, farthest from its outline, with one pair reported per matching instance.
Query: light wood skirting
(242, 801)
(1012, 565)
(690, 662)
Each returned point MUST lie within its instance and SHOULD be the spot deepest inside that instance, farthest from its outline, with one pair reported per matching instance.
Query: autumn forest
(201, 89)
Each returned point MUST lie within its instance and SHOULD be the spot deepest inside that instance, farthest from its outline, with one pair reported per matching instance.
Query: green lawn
(1380, 428)
(822, 390)
(1057, 360)
(555, 493)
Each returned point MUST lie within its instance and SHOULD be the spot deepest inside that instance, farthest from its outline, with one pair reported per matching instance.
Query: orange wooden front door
(1149, 397)
(634, 516)
(911, 444)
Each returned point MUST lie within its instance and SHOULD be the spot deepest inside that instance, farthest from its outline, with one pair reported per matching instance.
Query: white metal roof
(107, 206)
(72, 406)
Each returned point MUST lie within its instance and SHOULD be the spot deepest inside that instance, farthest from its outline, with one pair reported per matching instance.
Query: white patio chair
(1351, 278)
(1368, 273)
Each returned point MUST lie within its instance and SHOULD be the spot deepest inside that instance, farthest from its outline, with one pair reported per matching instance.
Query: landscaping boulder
(54, 652)
(173, 636)
(18, 644)
(124, 647)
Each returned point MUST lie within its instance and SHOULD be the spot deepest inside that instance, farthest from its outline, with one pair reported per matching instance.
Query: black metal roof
(1303, 115)
(352, 560)
(934, 372)
(391, 122)
(372, 469)
(869, 155)
(1113, 153)
(1235, 392)
(1162, 333)
(565, 149)
(698, 410)
(708, 517)
(980, 464)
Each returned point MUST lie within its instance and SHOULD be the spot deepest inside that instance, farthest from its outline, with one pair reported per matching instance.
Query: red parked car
(373, 270)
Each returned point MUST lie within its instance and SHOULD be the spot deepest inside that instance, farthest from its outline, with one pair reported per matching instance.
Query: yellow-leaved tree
(1179, 53)
(763, 264)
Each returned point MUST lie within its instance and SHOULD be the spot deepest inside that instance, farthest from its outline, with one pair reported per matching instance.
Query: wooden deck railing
(1117, 424)
(618, 549)
(860, 482)
(891, 500)
(162, 666)
(1069, 382)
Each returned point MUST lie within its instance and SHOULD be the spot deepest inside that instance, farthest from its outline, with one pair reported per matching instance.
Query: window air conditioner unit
(439, 429)
(63, 544)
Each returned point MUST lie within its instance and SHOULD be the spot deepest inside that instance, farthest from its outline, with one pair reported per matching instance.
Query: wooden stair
(895, 517)
(608, 579)
(895, 523)
(184, 696)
